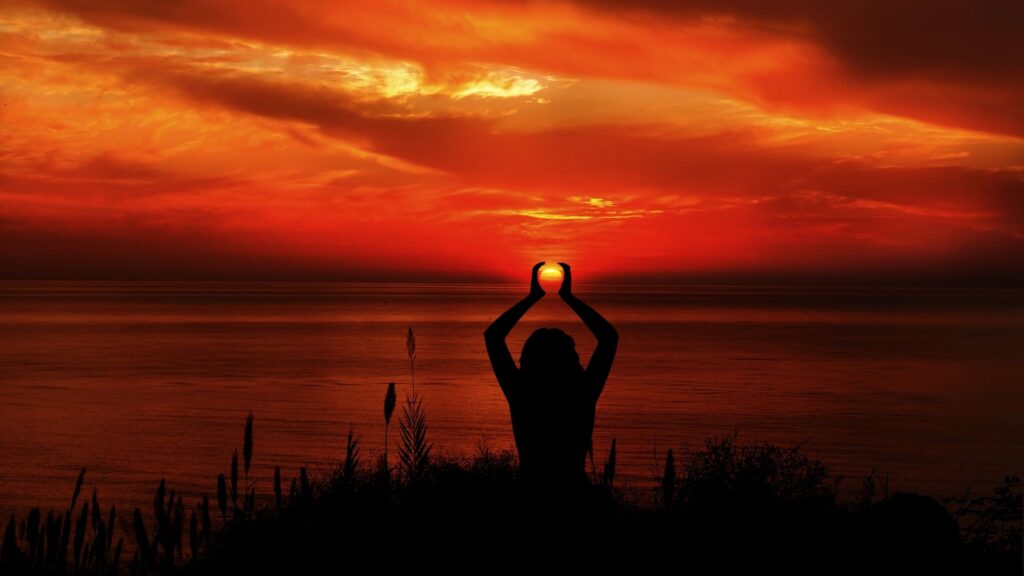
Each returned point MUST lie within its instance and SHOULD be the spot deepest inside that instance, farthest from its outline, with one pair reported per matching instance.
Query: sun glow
(551, 273)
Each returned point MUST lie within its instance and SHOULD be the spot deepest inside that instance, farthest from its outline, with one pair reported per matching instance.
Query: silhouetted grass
(727, 503)
(40, 547)
(414, 452)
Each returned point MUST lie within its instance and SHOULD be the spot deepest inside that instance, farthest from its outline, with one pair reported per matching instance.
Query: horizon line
(602, 283)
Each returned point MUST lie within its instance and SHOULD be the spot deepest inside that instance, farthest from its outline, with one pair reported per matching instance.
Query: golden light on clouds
(391, 140)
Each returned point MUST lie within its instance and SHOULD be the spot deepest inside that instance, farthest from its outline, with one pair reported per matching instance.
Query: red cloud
(168, 149)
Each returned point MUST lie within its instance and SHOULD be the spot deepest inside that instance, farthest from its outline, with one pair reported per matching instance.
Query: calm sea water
(143, 381)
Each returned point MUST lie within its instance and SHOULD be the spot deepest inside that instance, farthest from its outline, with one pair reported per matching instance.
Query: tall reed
(668, 481)
(389, 409)
(609, 467)
(414, 452)
(351, 465)
(410, 346)
(247, 456)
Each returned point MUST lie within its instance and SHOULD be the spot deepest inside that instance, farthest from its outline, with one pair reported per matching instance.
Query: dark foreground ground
(722, 509)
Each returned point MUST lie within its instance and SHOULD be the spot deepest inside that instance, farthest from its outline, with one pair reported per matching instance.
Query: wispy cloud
(699, 136)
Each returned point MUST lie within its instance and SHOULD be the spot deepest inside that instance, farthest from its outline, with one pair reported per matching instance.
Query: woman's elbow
(492, 335)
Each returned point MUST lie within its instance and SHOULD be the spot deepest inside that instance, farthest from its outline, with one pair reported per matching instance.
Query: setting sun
(551, 273)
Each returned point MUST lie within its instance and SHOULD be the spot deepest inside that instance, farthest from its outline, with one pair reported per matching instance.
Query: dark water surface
(138, 381)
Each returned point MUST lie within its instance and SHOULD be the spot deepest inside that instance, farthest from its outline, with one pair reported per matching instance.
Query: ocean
(143, 381)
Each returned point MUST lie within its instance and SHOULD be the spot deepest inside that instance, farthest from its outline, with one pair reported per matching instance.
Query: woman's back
(553, 421)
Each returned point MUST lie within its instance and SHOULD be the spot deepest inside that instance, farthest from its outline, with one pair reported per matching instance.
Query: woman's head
(550, 353)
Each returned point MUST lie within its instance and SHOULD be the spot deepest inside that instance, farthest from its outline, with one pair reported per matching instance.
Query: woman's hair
(550, 353)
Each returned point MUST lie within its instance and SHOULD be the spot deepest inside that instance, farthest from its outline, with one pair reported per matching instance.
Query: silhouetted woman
(551, 397)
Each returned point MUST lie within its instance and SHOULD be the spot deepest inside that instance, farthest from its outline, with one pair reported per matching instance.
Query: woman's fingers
(566, 278)
(535, 280)
(536, 268)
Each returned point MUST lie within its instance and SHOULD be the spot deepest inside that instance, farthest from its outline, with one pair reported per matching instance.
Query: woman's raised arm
(607, 337)
(501, 359)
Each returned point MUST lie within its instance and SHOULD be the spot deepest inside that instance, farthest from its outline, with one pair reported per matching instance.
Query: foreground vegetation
(728, 504)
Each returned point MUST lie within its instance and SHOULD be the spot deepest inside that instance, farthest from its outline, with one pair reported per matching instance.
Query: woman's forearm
(601, 328)
(504, 324)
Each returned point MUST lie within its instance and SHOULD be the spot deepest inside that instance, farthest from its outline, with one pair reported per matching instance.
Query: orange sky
(869, 141)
